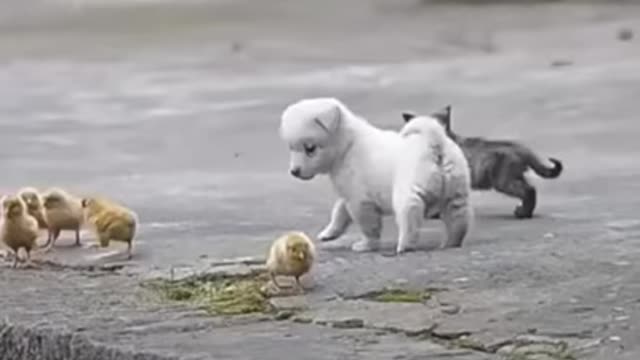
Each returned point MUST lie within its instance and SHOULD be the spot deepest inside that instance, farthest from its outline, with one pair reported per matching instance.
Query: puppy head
(443, 116)
(13, 206)
(310, 128)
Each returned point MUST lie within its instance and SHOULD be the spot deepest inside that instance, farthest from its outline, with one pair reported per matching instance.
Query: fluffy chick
(35, 207)
(62, 211)
(18, 229)
(110, 221)
(292, 254)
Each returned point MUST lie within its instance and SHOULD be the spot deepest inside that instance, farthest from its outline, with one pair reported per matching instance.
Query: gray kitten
(499, 165)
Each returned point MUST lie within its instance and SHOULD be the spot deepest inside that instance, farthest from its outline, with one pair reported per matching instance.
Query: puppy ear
(408, 115)
(330, 123)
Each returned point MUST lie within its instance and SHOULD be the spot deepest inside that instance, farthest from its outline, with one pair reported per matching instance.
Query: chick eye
(310, 150)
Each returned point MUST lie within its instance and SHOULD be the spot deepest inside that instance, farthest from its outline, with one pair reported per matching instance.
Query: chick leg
(54, 234)
(129, 251)
(299, 284)
(77, 237)
(273, 280)
(15, 260)
(8, 255)
(28, 262)
(49, 238)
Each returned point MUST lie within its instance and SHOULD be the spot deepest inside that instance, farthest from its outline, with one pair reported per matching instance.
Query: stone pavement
(543, 291)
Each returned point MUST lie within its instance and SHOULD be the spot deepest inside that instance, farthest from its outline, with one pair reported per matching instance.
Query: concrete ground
(174, 111)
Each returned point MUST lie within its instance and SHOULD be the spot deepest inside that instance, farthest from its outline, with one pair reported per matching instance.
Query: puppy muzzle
(297, 173)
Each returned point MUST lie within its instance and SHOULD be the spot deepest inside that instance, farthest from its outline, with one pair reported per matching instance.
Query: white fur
(359, 158)
(431, 177)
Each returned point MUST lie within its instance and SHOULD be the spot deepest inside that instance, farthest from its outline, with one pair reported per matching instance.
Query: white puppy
(325, 137)
(432, 177)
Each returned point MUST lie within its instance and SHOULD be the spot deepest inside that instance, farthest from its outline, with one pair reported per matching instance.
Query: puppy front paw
(404, 248)
(364, 246)
(328, 235)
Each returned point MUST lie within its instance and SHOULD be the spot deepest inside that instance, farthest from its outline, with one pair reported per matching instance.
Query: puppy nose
(295, 172)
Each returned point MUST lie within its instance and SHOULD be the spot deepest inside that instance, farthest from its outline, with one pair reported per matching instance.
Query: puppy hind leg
(409, 219)
(339, 223)
(369, 220)
(457, 221)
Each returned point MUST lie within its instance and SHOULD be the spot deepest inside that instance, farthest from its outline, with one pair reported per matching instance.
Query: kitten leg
(528, 202)
(522, 190)
(368, 219)
(340, 221)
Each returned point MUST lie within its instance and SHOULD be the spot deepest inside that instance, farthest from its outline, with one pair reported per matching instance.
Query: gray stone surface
(173, 109)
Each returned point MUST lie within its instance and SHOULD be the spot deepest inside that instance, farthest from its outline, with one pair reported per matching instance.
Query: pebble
(348, 324)
(283, 315)
(625, 34)
(401, 281)
(450, 309)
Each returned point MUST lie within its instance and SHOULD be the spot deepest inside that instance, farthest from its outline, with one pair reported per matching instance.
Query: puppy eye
(309, 149)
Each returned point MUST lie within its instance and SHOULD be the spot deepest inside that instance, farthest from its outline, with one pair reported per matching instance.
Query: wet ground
(174, 111)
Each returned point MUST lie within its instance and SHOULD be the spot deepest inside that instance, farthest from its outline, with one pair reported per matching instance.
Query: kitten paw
(521, 213)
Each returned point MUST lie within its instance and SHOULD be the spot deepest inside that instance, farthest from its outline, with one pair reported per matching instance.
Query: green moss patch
(399, 295)
(217, 294)
(534, 351)
(518, 349)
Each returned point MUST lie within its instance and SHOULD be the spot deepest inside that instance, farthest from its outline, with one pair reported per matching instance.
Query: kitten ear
(330, 123)
(408, 115)
(444, 116)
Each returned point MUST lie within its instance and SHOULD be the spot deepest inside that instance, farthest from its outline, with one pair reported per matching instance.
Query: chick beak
(301, 256)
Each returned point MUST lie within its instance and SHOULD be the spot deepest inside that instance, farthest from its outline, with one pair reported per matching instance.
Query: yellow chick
(18, 229)
(35, 207)
(292, 254)
(110, 221)
(62, 211)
